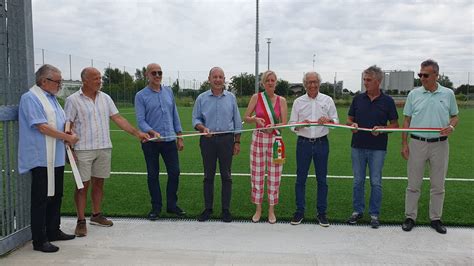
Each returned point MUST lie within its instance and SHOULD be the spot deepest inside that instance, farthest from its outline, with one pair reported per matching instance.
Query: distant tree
(282, 87)
(444, 81)
(140, 78)
(204, 86)
(175, 87)
(112, 76)
(243, 84)
(417, 83)
(465, 89)
(326, 88)
(140, 74)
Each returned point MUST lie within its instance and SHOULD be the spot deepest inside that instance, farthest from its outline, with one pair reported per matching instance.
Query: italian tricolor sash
(278, 151)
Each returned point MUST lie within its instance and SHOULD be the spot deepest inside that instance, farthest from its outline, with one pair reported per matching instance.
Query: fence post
(16, 76)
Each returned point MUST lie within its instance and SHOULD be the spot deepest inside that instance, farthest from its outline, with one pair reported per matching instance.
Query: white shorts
(94, 163)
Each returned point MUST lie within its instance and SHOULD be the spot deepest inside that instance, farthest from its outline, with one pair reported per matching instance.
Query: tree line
(122, 86)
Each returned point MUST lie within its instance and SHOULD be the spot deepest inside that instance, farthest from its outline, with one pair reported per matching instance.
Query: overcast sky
(192, 36)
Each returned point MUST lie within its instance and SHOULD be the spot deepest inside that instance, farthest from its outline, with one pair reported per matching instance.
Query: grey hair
(45, 71)
(375, 71)
(265, 76)
(431, 62)
(318, 77)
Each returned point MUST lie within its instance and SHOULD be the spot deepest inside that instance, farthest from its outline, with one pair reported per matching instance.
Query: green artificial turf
(127, 195)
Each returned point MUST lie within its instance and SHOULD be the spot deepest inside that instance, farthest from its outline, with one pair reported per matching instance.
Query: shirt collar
(435, 91)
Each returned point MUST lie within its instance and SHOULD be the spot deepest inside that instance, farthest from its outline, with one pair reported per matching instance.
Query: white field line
(293, 175)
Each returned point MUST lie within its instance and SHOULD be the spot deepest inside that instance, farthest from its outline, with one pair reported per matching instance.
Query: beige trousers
(436, 154)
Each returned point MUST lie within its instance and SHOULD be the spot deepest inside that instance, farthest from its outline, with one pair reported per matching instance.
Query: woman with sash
(267, 149)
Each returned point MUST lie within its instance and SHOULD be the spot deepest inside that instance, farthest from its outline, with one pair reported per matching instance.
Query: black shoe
(408, 224)
(374, 222)
(354, 218)
(323, 220)
(46, 247)
(205, 215)
(177, 211)
(226, 216)
(61, 236)
(153, 215)
(297, 218)
(438, 226)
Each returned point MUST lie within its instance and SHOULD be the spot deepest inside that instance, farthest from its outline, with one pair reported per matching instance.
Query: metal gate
(16, 76)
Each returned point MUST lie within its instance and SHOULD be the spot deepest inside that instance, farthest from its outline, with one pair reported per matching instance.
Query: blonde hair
(265, 76)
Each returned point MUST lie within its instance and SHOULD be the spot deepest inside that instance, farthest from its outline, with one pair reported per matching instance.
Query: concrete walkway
(137, 241)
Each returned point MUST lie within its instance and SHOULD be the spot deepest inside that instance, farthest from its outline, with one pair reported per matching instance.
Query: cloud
(192, 36)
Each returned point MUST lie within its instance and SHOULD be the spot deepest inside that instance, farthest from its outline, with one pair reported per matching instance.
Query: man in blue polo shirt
(429, 106)
(371, 109)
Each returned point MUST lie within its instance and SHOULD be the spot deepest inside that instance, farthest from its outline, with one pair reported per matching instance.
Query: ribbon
(310, 124)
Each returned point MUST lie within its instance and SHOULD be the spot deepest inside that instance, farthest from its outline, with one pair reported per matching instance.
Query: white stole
(50, 141)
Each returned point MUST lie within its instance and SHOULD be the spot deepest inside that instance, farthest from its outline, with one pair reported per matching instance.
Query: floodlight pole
(269, 40)
(256, 53)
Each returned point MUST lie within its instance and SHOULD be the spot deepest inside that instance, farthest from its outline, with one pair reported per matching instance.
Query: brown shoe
(99, 219)
(81, 228)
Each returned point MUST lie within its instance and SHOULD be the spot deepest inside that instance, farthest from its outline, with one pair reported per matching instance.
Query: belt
(222, 135)
(429, 139)
(313, 139)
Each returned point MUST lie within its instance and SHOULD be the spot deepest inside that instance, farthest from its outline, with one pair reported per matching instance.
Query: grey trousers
(436, 154)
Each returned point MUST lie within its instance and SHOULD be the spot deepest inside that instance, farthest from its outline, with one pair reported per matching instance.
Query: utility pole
(70, 68)
(256, 52)
(335, 77)
(269, 40)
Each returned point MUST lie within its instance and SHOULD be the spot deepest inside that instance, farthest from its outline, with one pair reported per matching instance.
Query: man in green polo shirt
(429, 106)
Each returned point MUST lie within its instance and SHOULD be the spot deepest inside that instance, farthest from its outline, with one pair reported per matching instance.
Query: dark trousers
(218, 147)
(45, 211)
(318, 152)
(169, 152)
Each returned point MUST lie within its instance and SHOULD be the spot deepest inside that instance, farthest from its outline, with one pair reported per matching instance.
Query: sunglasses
(156, 73)
(425, 75)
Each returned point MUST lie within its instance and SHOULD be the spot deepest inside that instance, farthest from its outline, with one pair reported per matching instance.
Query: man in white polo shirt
(89, 111)
(429, 106)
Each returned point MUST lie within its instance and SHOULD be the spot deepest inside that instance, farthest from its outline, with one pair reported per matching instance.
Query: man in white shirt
(90, 110)
(312, 144)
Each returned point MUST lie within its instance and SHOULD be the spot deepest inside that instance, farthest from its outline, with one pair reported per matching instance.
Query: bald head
(88, 71)
(152, 66)
(91, 80)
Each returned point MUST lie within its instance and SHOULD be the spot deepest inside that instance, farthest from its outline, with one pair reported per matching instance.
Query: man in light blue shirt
(216, 111)
(158, 116)
(429, 106)
(41, 117)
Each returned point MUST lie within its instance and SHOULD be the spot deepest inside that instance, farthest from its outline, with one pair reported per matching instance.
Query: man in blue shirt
(158, 116)
(372, 109)
(429, 106)
(41, 151)
(216, 111)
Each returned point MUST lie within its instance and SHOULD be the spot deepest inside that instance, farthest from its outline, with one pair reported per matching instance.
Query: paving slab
(165, 242)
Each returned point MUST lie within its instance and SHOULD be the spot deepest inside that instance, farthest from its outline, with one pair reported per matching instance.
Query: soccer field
(126, 192)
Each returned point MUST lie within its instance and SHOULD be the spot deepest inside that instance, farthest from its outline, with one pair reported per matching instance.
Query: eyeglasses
(425, 75)
(59, 82)
(156, 73)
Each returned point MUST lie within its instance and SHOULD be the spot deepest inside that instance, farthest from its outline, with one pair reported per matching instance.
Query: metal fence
(16, 75)
(123, 92)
